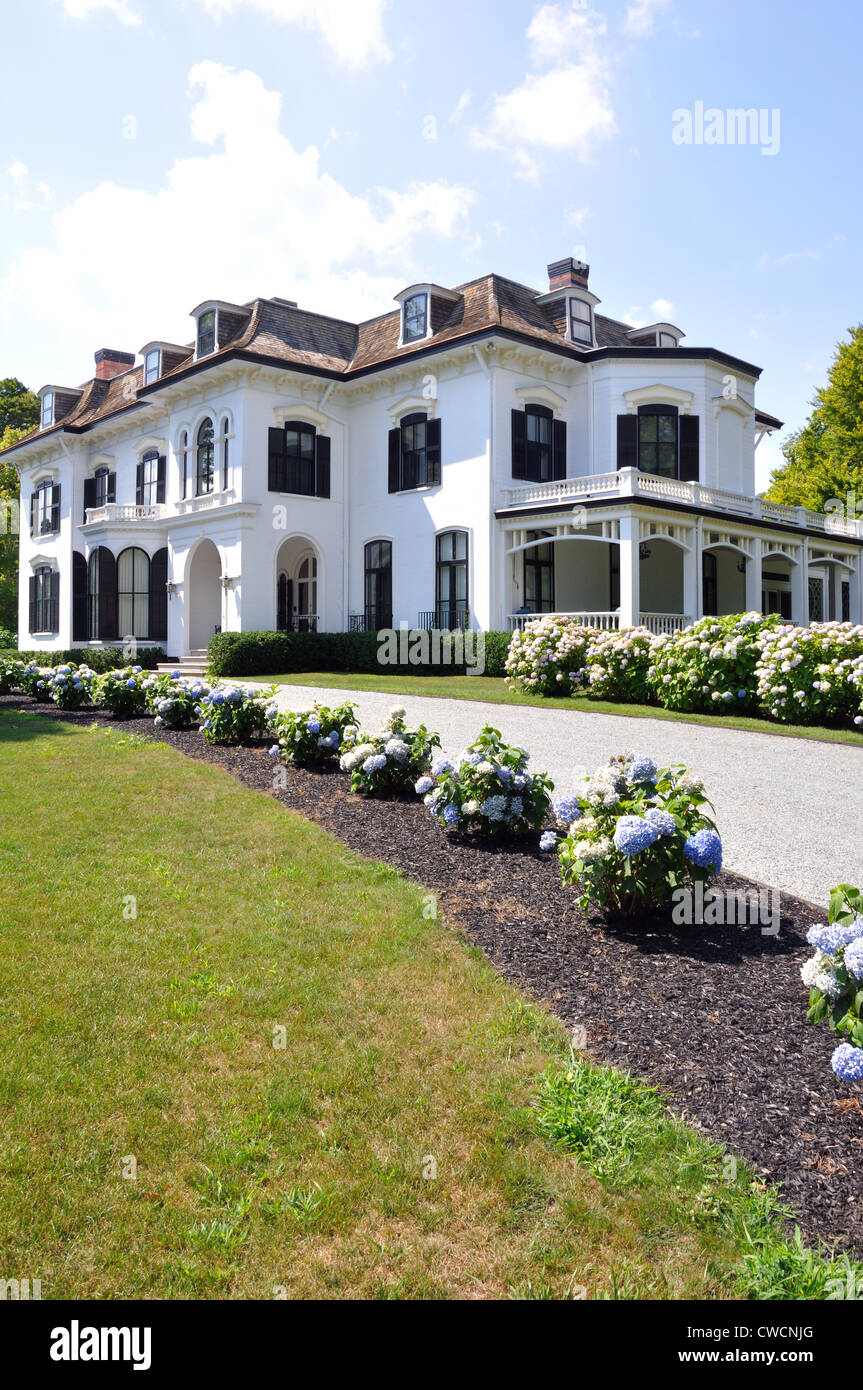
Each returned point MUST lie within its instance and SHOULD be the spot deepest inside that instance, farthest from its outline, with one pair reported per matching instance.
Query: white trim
(151, 442)
(659, 394)
(39, 561)
(410, 404)
(541, 395)
(306, 414)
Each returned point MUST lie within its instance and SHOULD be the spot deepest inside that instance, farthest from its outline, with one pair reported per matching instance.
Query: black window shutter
(34, 508)
(159, 596)
(55, 509)
(107, 595)
(395, 459)
(519, 444)
(558, 450)
(89, 494)
(627, 441)
(689, 448)
(276, 467)
(79, 597)
(160, 479)
(322, 465)
(53, 601)
(139, 485)
(433, 451)
(33, 582)
(111, 495)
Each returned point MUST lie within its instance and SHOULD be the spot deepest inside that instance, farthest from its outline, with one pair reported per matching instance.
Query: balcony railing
(629, 483)
(607, 621)
(301, 622)
(116, 512)
(447, 617)
(373, 620)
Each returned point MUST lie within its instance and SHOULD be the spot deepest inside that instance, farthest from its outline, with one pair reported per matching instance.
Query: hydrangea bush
(634, 834)
(549, 657)
(618, 663)
(834, 976)
(230, 714)
(10, 673)
(489, 791)
(391, 760)
(69, 686)
(122, 692)
(33, 680)
(811, 675)
(313, 735)
(175, 702)
(711, 666)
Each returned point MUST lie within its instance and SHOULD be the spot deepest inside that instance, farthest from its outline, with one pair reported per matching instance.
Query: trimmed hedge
(97, 658)
(239, 654)
(8, 640)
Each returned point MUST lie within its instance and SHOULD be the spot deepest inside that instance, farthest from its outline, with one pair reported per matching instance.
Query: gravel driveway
(790, 810)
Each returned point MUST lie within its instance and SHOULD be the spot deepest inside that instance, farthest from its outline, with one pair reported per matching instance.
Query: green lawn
(158, 921)
(495, 689)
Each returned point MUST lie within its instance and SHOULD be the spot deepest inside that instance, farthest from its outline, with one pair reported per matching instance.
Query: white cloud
(250, 216)
(25, 195)
(664, 308)
(352, 29)
(576, 217)
(566, 108)
(83, 9)
(660, 312)
(641, 16)
(790, 256)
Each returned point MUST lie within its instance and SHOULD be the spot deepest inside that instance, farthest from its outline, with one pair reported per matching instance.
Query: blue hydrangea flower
(375, 763)
(132, 684)
(847, 1062)
(217, 698)
(424, 785)
(741, 694)
(450, 814)
(854, 958)
(516, 806)
(704, 849)
(566, 810)
(548, 841)
(471, 759)
(493, 808)
(642, 769)
(663, 820)
(632, 834)
(830, 939)
(136, 669)
(503, 773)
(175, 675)
(314, 726)
(441, 766)
(275, 751)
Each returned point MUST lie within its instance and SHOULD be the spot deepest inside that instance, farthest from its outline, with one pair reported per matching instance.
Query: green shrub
(313, 735)
(97, 658)
(233, 715)
(489, 792)
(711, 666)
(10, 673)
(122, 692)
(249, 654)
(391, 760)
(8, 640)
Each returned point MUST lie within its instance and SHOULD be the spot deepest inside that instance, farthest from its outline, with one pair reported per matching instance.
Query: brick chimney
(110, 363)
(566, 273)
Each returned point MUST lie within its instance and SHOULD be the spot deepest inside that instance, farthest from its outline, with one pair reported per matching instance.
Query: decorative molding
(659, 395)
(308, 414)
(408, 404)
(541, 395)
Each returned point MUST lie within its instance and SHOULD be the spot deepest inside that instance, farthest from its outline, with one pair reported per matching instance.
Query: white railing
(207, 502)
(115, 511)
(629, 483)
(659, 623)
(608, 621)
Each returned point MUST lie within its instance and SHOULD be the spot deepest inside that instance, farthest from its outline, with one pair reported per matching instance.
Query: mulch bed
(714, 1016)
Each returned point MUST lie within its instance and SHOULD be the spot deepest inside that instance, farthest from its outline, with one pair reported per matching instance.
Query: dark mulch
(715, 1016)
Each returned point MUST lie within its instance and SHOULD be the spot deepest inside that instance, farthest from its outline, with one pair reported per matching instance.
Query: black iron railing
(373, 620)
(447, 617)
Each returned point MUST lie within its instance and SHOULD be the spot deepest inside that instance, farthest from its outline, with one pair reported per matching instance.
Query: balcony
(657, 623)
(447, 617)
(629, 484)
(115, 513)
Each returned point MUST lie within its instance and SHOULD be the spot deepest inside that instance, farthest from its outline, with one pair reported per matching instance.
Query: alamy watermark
(713, 907)
(734, 126)
(436, 647)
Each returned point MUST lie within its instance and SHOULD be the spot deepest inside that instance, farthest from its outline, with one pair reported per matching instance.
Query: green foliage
(811, 675)
(824, 460)
(69, 686)
(605, 1118)
(399, 756)
(10, 672)
(122, 692)
(8, 640)
(836, 993)
(174, 702)
(313, 735)
(19, 408)
(97, 658)
(233, 715)
(245, 654)
(490, 792)
(711, 667)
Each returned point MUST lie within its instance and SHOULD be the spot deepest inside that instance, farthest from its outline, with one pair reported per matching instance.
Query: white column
(800, 585)
(691, 576)
(630, 600)
(753, 577)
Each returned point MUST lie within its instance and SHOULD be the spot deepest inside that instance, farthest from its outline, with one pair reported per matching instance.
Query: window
(151, 366)
(44, 600)
(657, 440)
(205, 458)
(580, 329)
(539, 575)
(846, 601)
(415, 318)
(538, 428)
(226, 424)
(378, 595)
(451, 589)
(710, 587)
(667, 340)
(206, 333)
(538, 445)
(148, 490)
(415, 453)
(45, 509)
(184, 456)
(133, 592)
(47, 409)
(307, 595)
(100, 491)
(299, 460)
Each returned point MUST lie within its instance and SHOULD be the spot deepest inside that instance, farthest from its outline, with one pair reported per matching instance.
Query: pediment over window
(409, 405)
(306, 413)
(541, 395)
(735, 403)
(659, 395)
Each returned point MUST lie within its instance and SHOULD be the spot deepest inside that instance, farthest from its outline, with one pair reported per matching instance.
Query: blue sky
(159, 152)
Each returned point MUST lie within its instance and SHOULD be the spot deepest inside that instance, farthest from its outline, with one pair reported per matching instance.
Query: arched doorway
(298, 584)
(203, 596)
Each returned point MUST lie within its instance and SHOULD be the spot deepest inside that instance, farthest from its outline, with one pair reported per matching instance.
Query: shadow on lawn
(19, 726)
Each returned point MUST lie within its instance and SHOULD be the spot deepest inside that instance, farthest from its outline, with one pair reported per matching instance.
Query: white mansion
(478, 455)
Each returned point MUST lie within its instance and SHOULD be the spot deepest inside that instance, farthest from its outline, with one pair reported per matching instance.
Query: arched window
(226, 424)
(205, 455)
(150, 488)
(184, 457)
(378, 585)
(102, 595)
(451, 586)
(284, 602)
(133, 592)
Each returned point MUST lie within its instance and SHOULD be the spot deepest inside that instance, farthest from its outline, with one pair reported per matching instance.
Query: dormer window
(580, 325)
(415, 318)
(47, 409)
(152, 366)
(206, 333)
(667, 340)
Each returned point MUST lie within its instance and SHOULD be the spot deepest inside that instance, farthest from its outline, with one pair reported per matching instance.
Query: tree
(19, 408)
(19, 412)
(824, 460)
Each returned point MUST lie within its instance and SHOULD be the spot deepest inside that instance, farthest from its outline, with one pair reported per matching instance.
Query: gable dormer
(663, 335)
(570, 303)
(425, 308)
(217, 323)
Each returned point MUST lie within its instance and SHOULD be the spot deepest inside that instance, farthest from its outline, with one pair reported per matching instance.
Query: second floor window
(299, 460)
(657, 440)
(415, 323)
(538, 445)
(205, 459)
(661, 441)
(206, 333)
(150, 481)
(45, 509)
(415, 453)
